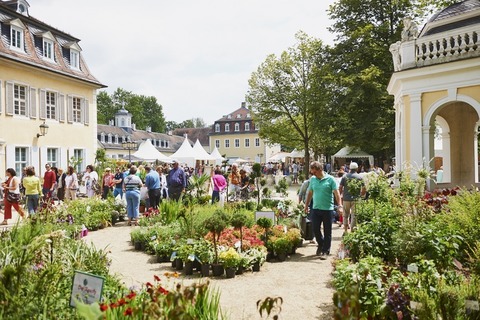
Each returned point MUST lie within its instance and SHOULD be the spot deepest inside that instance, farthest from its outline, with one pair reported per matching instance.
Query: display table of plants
(208, 241)
(414, 255)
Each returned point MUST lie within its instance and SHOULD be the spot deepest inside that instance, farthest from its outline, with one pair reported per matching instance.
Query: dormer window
(229, 116)
(116, 139)
(248, 116)
(217, 127)
(239, 116)
(103, 137)
(22, 7)
(227, 127)
(16, 38)
(247, 126)
(48, 49)
(109, 138)
(74, 59)
(237, 127)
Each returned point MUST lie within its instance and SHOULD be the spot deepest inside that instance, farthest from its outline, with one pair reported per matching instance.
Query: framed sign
(86, 287)
(265, 214)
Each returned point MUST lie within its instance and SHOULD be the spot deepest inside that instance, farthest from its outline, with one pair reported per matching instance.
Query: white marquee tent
(217, 156)
(200, 153)
(352, 153)
(147, 152)
(184, 154)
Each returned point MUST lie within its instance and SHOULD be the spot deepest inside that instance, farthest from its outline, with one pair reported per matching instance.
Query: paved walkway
(302, 281)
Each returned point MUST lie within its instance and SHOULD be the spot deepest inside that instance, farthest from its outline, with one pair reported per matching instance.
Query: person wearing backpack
(351, 188)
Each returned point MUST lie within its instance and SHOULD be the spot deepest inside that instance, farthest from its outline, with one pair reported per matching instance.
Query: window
(16, 38)
(217, 127)
(48, 49)
(237, 143)
(20, 100)
(257, 142)
(227, 143)
(103, 137)
(109, 138)
(116, 139)
(237, 127)
(247, 126)
(77, 110)
(227, 127)
(21, 159)
(247, 143)
(74, 59)
(51, 102)
(78, 157)
(52, 157)
(217, 143)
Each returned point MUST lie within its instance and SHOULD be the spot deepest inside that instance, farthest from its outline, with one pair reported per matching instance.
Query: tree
(286, 97)
(146, 112)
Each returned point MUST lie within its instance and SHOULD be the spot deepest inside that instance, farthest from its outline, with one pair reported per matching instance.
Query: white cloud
(194, 56)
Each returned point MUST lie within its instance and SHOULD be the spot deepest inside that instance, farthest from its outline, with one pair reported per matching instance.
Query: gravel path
(302, 281)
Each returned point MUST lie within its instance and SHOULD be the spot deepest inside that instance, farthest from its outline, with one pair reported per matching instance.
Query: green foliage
(265, 223)
(282, 245)
(269, 305)
(239, 219)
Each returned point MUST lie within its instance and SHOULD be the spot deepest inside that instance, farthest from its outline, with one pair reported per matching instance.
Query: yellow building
(48, 111)
(436, 86)
(236, 136)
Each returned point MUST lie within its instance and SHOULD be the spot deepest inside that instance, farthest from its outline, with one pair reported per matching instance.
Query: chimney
(244, 104)
(148, 129)
(134, 126)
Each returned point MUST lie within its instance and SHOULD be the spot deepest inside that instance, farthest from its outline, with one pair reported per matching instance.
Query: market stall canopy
(297, 154)
(200, 153)
(352, 153)
(217, 156)
(185, 154)
(147, 152)
(238, 160)
(279, 157)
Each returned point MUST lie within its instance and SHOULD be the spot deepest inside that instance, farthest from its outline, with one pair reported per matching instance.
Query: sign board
(265, 214)
(86, 287)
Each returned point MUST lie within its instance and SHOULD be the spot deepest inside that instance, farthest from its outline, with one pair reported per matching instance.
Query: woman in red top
(49, 180)
(12, 185)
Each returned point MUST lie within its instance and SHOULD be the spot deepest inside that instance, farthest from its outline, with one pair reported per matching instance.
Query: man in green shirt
(322, 189)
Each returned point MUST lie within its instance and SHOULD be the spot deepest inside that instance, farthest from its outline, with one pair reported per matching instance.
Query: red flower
(121, 302)
(103, 307)
(157, 278)
(113, 305)
(148, 284)
(131, 295)
(162, 290)
(128, 312)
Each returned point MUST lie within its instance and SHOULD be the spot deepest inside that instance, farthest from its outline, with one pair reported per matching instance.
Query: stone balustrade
(440, 48)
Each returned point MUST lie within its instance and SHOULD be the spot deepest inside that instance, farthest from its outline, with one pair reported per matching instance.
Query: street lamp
(129, 145)
(43, 130)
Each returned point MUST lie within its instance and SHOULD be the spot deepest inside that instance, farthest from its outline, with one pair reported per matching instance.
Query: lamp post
(129, 145)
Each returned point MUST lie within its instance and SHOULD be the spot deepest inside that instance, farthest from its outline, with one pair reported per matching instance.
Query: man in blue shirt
(322, 189)
(152, 182)
(176, 181)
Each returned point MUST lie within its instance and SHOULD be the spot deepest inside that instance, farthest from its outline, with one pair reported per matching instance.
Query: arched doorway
(459, 122)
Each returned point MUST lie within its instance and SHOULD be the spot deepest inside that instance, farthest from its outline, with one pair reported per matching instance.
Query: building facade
(436, 86)
(236, 136)
(48, 111)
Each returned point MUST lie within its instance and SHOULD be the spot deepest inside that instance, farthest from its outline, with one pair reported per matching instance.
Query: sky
(194, 56)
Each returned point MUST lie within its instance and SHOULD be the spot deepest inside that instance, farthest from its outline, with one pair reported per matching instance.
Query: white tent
(352, 153)
(217, 156)
(279, 157)
(185, 154)
(200, 153)
(147, 152)
(297, 154)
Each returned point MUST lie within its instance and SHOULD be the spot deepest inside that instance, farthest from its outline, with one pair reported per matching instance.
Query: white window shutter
(86, 111)
(10, 154)
(1, 100)
(9, 96)
(61, 107)
(43, 104)
(69, 109)
(32, 103)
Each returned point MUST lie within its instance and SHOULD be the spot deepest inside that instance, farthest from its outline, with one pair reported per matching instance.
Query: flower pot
(282, 256)
(138, 245)
(230, 272)
(161, 259)
(240, 270)
(188, 268)
(197, 265)
(178, 264)
(294, 250)
(270, 256)
(217, 270)
(256, 267)
(205, 269)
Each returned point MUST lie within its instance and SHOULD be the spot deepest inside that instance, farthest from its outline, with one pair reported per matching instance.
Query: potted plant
(295, 237)
(205, 254)
(239, 219)
(282, 246)
(256, 256)
(216, 223)
(230, 260)
(163, 249)
(266, 224)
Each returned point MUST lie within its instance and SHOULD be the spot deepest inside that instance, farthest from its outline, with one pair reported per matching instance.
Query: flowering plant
(230, 258)
(256, 254)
